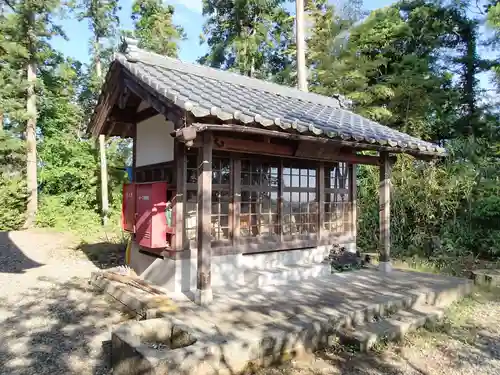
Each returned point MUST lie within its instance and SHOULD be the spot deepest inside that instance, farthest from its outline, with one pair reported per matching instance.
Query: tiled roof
(206, 91)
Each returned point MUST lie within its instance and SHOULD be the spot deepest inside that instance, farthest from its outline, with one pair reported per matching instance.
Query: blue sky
(187, 14)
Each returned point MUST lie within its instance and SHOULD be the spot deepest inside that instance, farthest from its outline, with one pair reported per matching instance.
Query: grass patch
(462, 322)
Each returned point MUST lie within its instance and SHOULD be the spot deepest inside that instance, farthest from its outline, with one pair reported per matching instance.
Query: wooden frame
(280, 240)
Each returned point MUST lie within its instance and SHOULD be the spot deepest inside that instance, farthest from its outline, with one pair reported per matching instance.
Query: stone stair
(392, 327)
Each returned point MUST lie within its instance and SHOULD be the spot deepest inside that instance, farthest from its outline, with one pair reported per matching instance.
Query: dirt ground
(52, 322)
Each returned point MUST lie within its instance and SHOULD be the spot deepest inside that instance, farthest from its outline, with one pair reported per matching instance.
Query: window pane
(312, 181)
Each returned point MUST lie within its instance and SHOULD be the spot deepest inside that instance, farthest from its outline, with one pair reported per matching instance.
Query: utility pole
(301, 45)
(102, 146)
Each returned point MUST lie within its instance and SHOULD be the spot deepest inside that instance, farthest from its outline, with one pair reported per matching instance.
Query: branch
(10, 5)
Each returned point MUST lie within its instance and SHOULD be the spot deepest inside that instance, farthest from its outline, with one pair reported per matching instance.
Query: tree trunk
(31, 169)
(102, 145)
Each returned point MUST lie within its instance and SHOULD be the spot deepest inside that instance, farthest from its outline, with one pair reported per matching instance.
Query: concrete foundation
(233, 270)
(264, 326)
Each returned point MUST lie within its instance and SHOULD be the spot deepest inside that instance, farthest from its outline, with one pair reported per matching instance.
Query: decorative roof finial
(129, 47)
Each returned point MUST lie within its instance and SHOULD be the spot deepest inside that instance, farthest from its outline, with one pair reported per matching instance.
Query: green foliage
(12, 182)
(444, 209)
(154, 28)
(252, 37)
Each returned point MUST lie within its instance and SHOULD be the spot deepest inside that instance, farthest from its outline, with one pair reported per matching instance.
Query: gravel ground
(51, 321)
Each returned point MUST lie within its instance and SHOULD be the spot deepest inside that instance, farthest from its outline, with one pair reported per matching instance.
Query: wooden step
(393, 327)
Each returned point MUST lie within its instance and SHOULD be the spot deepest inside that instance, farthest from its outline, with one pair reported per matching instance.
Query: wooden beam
(254, 147)
(236, 201)
(385, 211)
(111, 127)
(145, 114)
(123, 98)
(171, 112)
(128, 130)
(294, 136)
(203, 277)
(317, 151)
(107, 101)
(180, 176)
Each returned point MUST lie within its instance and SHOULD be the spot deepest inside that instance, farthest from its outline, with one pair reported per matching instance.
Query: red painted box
(151, 221)
(128, 207)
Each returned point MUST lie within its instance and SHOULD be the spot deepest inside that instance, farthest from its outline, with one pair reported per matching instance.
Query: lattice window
(259, 199)
(337, 203)
(300, 204)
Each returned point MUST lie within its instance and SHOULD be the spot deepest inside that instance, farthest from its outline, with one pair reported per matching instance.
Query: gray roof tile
(206, 91)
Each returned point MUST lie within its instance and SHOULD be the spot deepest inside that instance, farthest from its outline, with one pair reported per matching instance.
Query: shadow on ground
(104, 254)
(58, 328)
(12, 258)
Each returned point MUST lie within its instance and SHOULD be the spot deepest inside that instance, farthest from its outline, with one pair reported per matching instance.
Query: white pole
(301, 45)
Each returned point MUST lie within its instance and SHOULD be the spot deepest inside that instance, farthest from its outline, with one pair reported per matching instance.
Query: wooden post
(353, 220)
(134, 152)
(321, 201)
(236, 201)
(385, 212)
(203, 294)
(180, 176)
(281, 215)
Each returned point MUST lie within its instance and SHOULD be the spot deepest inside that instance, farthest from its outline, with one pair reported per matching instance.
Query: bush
(13, 191)
(450, 208)
(13, 202)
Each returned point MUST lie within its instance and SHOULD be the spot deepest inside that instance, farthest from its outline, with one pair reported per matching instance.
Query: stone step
(393, 327)
(285, 274)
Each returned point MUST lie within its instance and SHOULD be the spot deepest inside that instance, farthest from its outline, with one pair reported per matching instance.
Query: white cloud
(192, 5)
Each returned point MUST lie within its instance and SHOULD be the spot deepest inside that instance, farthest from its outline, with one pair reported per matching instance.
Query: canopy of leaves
(154, 27)
(252, 37)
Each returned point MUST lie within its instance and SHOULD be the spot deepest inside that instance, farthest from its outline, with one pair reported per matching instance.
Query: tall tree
(398, 67)
(154, 27)
(103, 23)
(12, 79)
(493, 21)
(34, 27)
(252, 37)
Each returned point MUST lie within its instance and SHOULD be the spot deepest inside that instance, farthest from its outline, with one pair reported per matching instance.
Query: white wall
(154, 142)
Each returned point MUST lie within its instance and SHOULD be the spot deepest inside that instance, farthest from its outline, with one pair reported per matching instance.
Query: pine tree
(103, 22)
(32, 27)
(252, 37)
(154, 27)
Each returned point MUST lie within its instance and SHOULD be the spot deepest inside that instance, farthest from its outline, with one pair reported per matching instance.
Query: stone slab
(393, 327)
(488, 277)
(268, 325)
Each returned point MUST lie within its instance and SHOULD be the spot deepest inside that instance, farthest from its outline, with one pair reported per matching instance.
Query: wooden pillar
(180, 177)
(385, 212)
(321, 201)
(236, 201)
(281, 216)
(203, 294)
(353, 220)
(134, 152)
